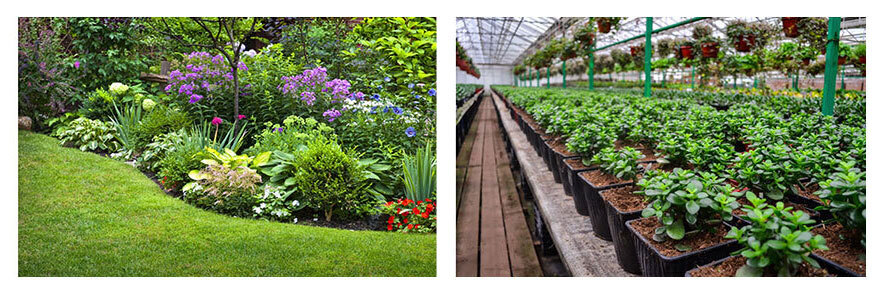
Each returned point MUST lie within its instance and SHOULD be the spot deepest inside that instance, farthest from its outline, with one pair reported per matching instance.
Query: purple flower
(396, 110)
(216, 121)
(376, 97)
(386, 79)
(359, 95)
(241, 117)
(308, 97)
(77, 64)
(431, 92)
(410, 132)
(331, 114)
(242, 66)
(279, 130)
(195, 98)
(411, 85)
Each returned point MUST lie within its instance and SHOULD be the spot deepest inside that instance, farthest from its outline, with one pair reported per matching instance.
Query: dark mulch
(845, 247)
(808, 191)
(700, 240)
(559, 146)
(600, 179)
(577, 164)
(730, 266)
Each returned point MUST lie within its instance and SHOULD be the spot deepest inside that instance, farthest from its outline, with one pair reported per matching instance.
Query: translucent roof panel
(509, 40)
(499, 40)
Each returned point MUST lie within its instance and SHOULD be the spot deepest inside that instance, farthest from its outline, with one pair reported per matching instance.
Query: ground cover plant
(224, 114)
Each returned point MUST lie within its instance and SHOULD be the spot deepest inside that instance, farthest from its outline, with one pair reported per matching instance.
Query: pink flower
(241, 117)
(216, 121)
(77, 64)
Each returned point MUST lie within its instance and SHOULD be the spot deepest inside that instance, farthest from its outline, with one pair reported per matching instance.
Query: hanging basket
(604, 25)
(678, 52)
(686, 51)
(635, 50)
(790, 28)
(862, 59)
(586, 39)
(841, 61)
(462, 64)
(745, 43)
(710, 49)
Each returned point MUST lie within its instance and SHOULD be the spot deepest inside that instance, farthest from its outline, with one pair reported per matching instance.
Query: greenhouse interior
(701, 147)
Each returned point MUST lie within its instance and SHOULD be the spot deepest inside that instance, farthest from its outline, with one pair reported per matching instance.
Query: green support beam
(682, 23)
(832, 65)
(648, 30)
(548, 77)
(590, 74)
(563, 74)
(692, 77)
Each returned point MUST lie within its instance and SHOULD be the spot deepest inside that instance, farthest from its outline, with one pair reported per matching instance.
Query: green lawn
(84, 215)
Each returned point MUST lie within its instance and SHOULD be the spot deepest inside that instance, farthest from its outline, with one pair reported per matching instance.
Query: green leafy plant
(127, 121)
(157, 149)
(227, 190)
(89, 135)
(844, 195)
(589, 140)
(622, 163)
(419, 174)
(686, 203)
(330, 180)
(777, 239)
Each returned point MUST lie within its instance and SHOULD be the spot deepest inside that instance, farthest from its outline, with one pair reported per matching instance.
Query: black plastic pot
(621, 237)
(654, 263)
(576, 186)
(810, 204)
(564, 171)
(596, 208)
(833, 267)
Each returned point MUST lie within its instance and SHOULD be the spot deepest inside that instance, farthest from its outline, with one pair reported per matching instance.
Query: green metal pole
(842, 70)
(664, 78)
(548, 77)
(539, 77)
(563, 74)
(692, 77)
(832, 65)
(648, 29)
(590, 72)
(755, 82)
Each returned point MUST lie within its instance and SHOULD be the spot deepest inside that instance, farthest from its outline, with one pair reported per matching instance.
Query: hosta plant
(777, 240)
(89, 135)
(844, 195)
(686, 203)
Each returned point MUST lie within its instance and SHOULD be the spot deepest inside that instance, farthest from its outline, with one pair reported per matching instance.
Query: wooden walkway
(492, 235)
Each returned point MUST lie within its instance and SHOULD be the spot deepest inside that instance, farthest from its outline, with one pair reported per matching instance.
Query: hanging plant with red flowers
(406, 215)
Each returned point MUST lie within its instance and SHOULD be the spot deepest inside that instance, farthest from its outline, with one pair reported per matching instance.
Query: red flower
(390, 221)
(426, 215)
(399, 225)
(416, 211)
(389, 227)
(410, 226)
(406, 221)
(427, 200)
(389, 203)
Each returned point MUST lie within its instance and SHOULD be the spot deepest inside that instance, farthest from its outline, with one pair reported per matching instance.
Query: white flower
(263, 205)
(295, 203)
(314, 219)
(250, 53)
(295, 221)
(257, 210)
(118, 88)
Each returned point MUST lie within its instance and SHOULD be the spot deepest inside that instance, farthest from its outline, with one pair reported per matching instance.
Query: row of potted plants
(464, 62)
(678, 183)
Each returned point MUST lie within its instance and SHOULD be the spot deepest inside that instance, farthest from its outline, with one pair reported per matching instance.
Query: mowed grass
(84, 215)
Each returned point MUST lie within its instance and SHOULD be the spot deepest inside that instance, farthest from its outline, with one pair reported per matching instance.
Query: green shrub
(179, 160)
(845, 195)
(89, 135)
(290, 137)
(330, 180)
(158, 121)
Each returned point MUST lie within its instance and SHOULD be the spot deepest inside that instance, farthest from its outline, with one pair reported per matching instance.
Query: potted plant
(616, 168)
(569, 50)
(741, 35)
(585, 35)
(665, 46)
(682, 225)
(777, 242)
(677, 47)
(845, 53)
(586, 142)
(703, 35)
(813, 32)
(606, 23)
(844, 196)
(860, 52)
(791, 29)
(685, 49)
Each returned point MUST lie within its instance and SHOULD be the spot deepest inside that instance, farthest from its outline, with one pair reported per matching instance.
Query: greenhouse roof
(500, 40)
(508, 40)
